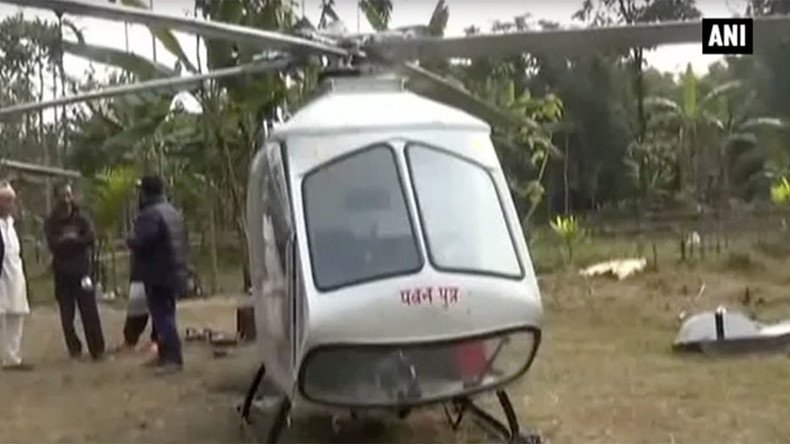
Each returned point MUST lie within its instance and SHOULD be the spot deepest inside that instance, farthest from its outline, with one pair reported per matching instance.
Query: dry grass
(605, 372)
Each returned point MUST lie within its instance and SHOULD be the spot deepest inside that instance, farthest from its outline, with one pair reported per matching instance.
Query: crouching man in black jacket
(70, 237)
(159, 247)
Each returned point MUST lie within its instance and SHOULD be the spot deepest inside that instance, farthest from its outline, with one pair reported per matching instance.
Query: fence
(683, 223)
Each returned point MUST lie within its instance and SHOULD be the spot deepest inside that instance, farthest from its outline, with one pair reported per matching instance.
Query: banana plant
(109, 199)
(780, 196)
(142, 68)
(124, 130)
(748, 144)
(718, 128)
(378, 13)
(231, 108)
(693, 119)
(569, 231)
(780, 192)
(166, 37)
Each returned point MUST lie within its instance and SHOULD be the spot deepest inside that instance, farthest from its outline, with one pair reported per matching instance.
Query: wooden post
(655, 257)
(718, 238)
(683, 249)
(691, 250)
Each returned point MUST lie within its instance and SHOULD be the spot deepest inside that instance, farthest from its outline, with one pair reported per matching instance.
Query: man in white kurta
(13, 286)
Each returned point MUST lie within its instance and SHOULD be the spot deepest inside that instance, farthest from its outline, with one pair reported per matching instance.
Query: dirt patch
(118, 400)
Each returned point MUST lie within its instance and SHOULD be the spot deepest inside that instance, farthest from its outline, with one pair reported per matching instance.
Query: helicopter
(389, 268)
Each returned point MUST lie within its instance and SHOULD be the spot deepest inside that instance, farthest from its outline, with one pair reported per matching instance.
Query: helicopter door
(295, 297)
(278, 210)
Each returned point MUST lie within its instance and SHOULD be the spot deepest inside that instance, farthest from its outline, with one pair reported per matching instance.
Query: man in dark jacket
(70, 237)
(159, 246)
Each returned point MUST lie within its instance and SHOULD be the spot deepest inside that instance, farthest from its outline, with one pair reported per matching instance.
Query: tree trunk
(639, 90)
(56, 119)
(229, 177)
(113, 268)
(213, 242)
(238, 212)
(725, 177)
(686, 162)
(534, 206)
(43, 143)
(566, 163)
(63, 114)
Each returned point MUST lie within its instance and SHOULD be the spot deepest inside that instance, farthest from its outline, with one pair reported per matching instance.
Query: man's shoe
(21, 367)
(168, 369)
(100, 358)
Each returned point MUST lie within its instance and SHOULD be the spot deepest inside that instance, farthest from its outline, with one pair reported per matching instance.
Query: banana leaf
(166, 37)
(438, 23)
(377, 12)
(142, 67)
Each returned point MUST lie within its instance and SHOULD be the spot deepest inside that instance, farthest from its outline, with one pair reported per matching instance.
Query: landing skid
(283, 408)
(509, 433)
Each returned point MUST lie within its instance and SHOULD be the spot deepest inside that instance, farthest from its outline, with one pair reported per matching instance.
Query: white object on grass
(619, 268)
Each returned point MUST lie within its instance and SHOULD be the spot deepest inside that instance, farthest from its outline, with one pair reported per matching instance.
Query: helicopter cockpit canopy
(461, 212)
(357, 221)
(360, 228)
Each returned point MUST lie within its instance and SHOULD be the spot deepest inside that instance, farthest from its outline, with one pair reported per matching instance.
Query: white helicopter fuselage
(382, 238)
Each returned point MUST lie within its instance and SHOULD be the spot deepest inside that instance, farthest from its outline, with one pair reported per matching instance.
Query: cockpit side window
(358, 224)
(255, 211)
(462, 215)
(276, 205)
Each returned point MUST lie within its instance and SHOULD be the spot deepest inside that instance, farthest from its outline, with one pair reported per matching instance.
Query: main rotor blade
(210, 29)
(37, 169)
(178, 83)
(433, 86)
(564, 41)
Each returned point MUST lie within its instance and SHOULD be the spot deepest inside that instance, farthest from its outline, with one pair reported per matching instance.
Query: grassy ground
(604, 373)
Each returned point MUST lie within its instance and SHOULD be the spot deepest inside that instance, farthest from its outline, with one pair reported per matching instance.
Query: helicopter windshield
(358, 226)
(461, 213)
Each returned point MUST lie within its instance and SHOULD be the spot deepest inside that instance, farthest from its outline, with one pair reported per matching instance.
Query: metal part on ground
(729, 332)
